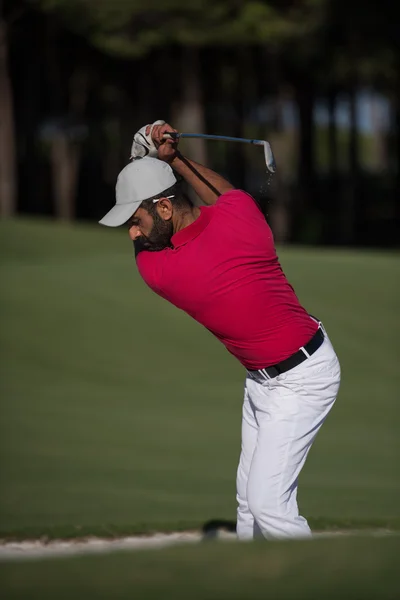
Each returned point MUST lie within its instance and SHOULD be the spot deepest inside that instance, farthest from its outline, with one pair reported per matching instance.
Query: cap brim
(119, 214)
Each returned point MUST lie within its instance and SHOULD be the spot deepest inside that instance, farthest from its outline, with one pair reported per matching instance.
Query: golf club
(269, 157)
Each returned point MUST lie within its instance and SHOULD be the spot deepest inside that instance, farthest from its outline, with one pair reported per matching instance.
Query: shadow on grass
(211, 529)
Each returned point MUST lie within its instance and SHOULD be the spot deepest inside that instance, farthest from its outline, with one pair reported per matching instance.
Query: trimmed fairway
(352, 569)
(119, 413)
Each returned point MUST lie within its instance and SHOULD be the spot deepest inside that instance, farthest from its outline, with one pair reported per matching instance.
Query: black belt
(296, 359)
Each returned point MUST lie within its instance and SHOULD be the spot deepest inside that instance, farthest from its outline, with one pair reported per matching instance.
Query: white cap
(143, 178)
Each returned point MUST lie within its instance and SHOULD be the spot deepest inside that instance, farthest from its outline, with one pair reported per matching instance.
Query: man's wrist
(177, 158)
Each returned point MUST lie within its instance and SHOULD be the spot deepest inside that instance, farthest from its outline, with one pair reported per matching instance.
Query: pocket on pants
(319, 386)
(323, 363)
(317, 379)
(272, 398)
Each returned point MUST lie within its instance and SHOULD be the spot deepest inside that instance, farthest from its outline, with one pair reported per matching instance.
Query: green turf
(352, 569)
(120, 413)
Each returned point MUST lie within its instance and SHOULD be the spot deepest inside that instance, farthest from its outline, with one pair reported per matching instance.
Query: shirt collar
(194, 229)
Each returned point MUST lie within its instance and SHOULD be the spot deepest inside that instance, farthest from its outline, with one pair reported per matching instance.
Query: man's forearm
(207, 184)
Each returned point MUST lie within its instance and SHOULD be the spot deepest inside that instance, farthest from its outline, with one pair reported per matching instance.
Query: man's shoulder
(238, 202)
(237, 197)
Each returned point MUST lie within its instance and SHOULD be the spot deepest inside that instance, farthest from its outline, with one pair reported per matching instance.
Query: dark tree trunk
(349, 205)
(240, 94)
(66, 149)
(306, 184)
(380, 139)
(189, 112)
(8, 178)
(353, 139)
(396, 191)
(69, 99)
(280, 202)
(305, 103)
(332, 198)
(276, 191)
(332, 135)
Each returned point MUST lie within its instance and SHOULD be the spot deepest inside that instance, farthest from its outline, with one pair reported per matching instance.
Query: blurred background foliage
(320, 79)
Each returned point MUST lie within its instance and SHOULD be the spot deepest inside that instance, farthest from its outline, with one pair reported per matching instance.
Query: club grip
(171, 135)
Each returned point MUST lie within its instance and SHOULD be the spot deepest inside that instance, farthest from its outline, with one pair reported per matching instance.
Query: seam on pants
(285, 462)
(247, 402)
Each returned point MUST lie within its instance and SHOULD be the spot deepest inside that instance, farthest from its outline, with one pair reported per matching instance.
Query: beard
(158, 239)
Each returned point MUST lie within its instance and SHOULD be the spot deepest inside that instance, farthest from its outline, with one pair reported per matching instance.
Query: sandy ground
(34, 549)
(56, 548)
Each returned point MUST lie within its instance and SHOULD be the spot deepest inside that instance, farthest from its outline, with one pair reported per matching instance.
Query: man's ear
(164, 209)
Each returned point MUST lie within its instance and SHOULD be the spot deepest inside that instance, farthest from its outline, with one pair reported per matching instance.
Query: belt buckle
(258, 376)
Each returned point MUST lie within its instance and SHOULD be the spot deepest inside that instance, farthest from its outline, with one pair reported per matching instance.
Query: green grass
(352, 569)
(119, 413)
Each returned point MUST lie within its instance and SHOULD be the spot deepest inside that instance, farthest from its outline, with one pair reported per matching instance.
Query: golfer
(218, 263)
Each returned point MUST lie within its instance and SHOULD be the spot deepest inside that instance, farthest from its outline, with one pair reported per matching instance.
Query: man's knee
(276, 521)
(268, 512)
(261, 501)
(264, 514)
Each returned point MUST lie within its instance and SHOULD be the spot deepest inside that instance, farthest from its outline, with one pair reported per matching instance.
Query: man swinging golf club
(218, 263)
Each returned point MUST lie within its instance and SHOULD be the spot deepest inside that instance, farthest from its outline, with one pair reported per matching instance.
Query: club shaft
(269, 157)
(224, 138)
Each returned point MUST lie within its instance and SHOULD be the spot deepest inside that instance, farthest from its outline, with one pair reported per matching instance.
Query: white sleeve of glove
(142, 144)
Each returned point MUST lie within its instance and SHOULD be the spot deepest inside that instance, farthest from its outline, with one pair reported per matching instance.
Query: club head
(269, 157)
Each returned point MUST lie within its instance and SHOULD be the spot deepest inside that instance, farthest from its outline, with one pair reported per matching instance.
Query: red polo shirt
(224, 272)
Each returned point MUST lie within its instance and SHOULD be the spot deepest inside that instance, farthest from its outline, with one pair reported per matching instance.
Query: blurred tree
(66, 129)
(347, 46)
(135, 28)
(253, 59)
(363, 42)
(8, 179)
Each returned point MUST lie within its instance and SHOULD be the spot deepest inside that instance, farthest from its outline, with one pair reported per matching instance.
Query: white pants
(281, 418)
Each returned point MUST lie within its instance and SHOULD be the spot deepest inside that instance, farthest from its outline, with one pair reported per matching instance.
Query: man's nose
(134, 233)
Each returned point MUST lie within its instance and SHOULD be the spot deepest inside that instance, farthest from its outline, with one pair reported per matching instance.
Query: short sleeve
(150, 266)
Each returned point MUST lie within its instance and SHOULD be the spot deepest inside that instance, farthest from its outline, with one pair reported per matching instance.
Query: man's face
(153, 232)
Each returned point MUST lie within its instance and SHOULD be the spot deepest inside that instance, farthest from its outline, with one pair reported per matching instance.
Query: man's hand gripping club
(207, 184)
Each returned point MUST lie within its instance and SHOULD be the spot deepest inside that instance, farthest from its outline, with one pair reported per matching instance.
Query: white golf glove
(142, 144)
